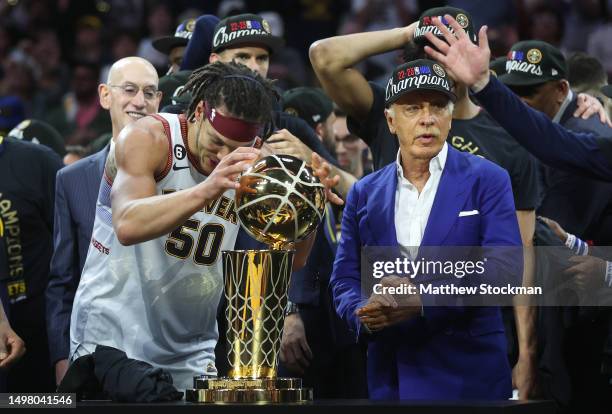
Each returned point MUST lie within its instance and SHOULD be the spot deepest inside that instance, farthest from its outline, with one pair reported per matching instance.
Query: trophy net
(256, 283)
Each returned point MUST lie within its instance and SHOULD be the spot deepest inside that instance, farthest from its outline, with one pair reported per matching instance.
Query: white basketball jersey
(157, 301)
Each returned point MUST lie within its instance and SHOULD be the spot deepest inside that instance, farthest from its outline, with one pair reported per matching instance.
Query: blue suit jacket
(76, 192)
(448, 352)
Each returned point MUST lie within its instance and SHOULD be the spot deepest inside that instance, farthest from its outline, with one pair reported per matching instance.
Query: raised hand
(466, 62)
(322, 169)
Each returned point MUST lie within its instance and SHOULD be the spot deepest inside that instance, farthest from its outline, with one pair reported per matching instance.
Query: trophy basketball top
(280, 200)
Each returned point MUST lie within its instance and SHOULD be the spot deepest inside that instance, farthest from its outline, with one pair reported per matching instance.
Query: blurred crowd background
(54, 53)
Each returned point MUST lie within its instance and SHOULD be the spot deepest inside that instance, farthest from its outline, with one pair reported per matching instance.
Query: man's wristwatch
(291, 308)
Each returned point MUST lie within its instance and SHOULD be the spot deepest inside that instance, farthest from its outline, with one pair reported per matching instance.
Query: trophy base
(262, 390)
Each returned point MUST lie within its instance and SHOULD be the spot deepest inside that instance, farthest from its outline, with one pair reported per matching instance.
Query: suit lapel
(381, 207)
(450, 198)
(94, 172)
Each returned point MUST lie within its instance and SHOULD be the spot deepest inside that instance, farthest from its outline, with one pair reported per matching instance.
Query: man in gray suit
(130, 93)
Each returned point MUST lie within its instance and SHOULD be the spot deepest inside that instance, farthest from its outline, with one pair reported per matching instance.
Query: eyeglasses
(131, 90)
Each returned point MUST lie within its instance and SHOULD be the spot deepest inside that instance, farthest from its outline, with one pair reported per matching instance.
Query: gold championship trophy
(279, 202)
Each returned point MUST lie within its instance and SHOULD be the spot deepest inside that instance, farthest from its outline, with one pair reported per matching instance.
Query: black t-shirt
(27, 193)
(374, 131)
(582, 206)
(483, 136)
(480, 135)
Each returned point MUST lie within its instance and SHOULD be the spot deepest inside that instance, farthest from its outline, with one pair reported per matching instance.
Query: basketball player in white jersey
(153, 278)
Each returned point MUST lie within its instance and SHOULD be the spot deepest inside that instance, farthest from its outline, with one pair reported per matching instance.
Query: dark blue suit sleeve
(584, 153)
(345, 282)
(60, 290)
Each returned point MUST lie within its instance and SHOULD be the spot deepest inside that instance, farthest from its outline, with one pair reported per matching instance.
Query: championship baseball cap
(532, 62)
(39, 132)
(426, 23)
(310, 104)
(498, 66)
(421, 74)
(244, 29)
(181, 37)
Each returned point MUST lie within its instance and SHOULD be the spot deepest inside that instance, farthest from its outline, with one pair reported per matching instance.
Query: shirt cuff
(481, 85)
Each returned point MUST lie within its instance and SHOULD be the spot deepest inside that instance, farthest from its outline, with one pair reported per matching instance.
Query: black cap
(39, 132)
(171, 86)
(426, 23)
(310, 104)
(607, 90)
(498, 66)
(532, 62)
(244, 29)
(421, 74)
(181, 37)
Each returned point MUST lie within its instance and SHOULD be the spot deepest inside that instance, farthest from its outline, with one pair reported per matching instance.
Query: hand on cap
(466, 62)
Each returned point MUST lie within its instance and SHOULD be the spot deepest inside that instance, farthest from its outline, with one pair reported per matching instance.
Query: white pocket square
(468, 213)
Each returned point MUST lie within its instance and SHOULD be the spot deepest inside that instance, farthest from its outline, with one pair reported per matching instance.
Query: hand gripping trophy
(280, 201)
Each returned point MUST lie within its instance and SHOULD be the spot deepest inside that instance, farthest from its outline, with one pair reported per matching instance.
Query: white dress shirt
(411, 208)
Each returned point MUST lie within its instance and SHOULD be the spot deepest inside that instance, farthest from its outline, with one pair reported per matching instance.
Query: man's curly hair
(244, 93)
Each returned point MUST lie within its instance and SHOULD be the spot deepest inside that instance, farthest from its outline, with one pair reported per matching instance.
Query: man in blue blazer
(432, 195)
(129, 94)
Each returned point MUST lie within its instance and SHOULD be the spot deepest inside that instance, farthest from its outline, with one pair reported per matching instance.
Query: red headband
(232, 128)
